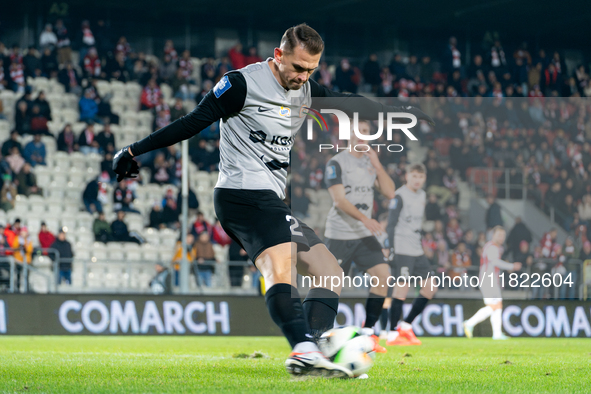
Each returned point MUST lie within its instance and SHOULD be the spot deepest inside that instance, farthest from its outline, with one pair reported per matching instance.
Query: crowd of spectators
(508, 108)
(17, 241)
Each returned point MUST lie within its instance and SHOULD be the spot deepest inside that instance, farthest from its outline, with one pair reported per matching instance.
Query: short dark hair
(304, 36)
(419, 167)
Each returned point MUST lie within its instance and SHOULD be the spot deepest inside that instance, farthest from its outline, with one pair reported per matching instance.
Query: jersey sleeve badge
(222, 86)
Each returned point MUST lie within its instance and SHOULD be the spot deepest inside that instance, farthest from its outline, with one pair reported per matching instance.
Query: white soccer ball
(348, 348)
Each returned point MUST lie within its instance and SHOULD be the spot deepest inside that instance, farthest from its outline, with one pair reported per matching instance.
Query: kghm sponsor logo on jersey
(344, 123)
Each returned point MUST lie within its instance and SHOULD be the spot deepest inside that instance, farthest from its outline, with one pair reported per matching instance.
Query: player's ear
(278, 54)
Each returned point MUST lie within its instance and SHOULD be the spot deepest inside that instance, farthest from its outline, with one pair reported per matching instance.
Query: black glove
(418, 113)
(124, 165)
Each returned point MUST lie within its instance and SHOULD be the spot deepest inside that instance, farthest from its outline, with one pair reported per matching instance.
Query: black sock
(417, 307)
(320, 308)
(395, 312)
(384, 319)
(285, 308)
(373, 309)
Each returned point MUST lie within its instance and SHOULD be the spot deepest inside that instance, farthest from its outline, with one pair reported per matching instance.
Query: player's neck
(275, 72)
(355, 154)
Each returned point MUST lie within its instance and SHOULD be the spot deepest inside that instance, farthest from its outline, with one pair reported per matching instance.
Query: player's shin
(320, 308)
(285, 308)
(373, 309)
(418, 306)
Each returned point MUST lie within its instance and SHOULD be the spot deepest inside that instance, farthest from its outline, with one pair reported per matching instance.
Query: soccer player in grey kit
(351, 234)
(405, 221)
(256, 135)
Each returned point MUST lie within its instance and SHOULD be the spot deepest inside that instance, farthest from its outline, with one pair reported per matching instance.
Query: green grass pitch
(209, 364)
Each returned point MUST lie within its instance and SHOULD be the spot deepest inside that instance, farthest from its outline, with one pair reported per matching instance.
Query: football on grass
(347, 347)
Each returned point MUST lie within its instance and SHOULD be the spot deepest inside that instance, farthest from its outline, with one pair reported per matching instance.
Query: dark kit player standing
(253, 104)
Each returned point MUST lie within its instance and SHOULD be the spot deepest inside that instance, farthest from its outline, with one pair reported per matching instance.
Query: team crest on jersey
(393, 203)
(222, 86)
(284, 111)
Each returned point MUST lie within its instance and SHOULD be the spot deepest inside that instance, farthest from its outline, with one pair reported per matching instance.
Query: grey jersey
(358, 177)
(255, 142)
(405, 221)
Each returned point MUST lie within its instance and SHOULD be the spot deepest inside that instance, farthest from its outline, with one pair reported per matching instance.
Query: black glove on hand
(418, 113)
(124, 165)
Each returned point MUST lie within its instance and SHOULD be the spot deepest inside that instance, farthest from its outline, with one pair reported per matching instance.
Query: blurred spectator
(32, 63)
(168, 69)
(453, 233)
(88, 108)
(193, 202)
(34, 152)
(123, 198)
(186, 66)
(432, 209)
(204, 259)
(122, 47)
(68, 77)
(324, 77)
(178, 110)
(585, 253)
(15, 160)
(87, 140)
(201, 225)
(8, 194)
(46, 237)
(38, 122)
(191, 252)
(106, 138)
(170, 210)
(236, 56)
(253, 56)
(90, 197)
(116, 69)
(156, 216)
(43, 104)
(64, 50)
(371, 72)
(180, 86)
(49, 64)
(86, 39)
(452, 58)
(66, 255)
(169, 50)
(517, 235)
(121, 233)
(22, 119)
(442, 258)
(584, 208)
(92, 63)
(493, 213)
(461, 259)
(27, 182)
(548, 242)
(161, 171)
(22, 248)
(102, 229)
(162, 281)
(66, 140)
(344, 77)
(150, 95)
(47, 39)
(219, 235)
(107, 167)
